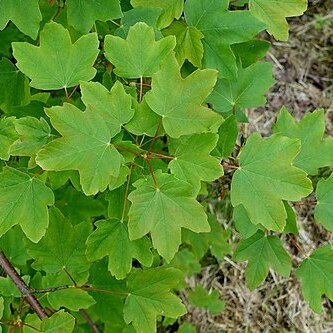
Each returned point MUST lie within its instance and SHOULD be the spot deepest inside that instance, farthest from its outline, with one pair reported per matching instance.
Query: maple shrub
(115, 118)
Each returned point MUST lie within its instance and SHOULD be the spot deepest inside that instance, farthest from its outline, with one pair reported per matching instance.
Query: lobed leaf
(316, 274)
(24, 200)
(163, 211)
(50, 69)
(316, 151)
(274, 14)
(262, 252)
(150, 296)
(266, 176)
(139, 55)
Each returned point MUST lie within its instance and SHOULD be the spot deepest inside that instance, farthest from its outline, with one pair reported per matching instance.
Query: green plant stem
(21, 285)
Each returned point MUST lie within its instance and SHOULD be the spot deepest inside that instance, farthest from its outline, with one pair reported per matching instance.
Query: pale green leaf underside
(57, 63)
(163, 211)
(274, 13)
(262, 252)
(24, 201)
(266, 176)
(316, 274)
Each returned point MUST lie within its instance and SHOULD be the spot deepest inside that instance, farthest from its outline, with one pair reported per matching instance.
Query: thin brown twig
(21, 285)
(103, 290)
(70, 276)
(88, 319)
(151, 172)
(49, 290)
(141, 90)
(298, 247)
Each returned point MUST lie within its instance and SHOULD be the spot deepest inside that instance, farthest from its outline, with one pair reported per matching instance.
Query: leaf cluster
(115, 116)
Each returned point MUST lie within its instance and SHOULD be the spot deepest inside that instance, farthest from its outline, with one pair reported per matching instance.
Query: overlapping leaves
(155, 137)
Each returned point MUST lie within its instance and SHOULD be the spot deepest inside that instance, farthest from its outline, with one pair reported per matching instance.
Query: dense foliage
(115, 118)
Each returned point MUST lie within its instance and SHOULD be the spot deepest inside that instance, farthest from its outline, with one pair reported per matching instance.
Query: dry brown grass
(303, 69)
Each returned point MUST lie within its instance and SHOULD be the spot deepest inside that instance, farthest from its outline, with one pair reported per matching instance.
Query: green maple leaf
(186, 328)
(77, 207)
(172, 9)
(221, 28)
(324, 208)
(163, 211)
(111, 239)
(85, 146)
(115, 106)
(71, 298)
(245, 92)
(109, 305)
(186, 262)
(150, 296)
(25, 15)
(8, 136)
(228, 133)
(17, 254)
(139, 55)
(60, 321)
(274, 13)
(148, 15)
(250, 52)
(33, 135)
(50, 69)
(14, 87)
(179, 101)
(195, 165)
(316, 151)
(189, 45)
(145, 121)
(62, 248)
(82, 14)
(262, 252)
(24, 201)
(201, 298)
(263, 162)
(215, 240)
(316, 274)
(242, 222)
